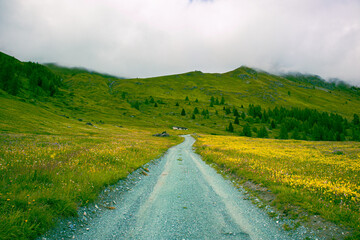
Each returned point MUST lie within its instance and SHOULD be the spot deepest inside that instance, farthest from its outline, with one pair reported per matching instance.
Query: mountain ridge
(158, 101)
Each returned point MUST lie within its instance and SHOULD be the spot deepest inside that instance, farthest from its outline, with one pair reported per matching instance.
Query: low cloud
(150, 38)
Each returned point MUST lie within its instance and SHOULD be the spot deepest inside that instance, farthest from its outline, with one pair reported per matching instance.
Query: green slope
(95, 128)
(100, 98)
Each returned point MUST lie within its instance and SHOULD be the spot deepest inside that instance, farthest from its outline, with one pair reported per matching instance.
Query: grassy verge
(322, 178)
(43, 177)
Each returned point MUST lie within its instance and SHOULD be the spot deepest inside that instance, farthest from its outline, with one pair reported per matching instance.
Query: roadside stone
(163, 134)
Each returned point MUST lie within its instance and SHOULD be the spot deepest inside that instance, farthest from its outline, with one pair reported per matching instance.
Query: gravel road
(180, 198)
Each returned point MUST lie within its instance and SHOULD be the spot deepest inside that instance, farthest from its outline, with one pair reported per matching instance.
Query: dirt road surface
(181, 198)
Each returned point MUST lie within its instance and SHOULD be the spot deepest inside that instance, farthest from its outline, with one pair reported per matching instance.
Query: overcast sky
(143, 38)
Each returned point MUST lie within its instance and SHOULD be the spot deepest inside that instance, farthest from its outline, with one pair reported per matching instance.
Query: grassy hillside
(71, 131)
(101, 98)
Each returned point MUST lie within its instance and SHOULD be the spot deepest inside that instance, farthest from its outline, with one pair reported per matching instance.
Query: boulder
(163, 134)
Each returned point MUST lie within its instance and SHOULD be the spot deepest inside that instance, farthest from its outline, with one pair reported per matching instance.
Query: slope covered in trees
(16, 76)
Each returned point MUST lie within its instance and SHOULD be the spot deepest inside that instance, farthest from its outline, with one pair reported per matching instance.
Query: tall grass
(43, 177)
(321, 177)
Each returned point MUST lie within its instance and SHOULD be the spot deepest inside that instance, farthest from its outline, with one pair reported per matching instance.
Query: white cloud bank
(141, 38)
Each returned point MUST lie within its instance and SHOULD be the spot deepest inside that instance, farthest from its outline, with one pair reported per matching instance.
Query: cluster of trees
(205, 113)
(215, 101)
(315, 80)
(148, 101)
(15, 75)
(296, 123)
(41, 79)
(9, 80)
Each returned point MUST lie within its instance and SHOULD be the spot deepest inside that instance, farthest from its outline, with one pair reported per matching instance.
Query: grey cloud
(142, 38)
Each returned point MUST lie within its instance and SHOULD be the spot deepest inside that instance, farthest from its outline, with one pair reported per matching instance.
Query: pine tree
(295, 134)
(183, 112)
(155, 105)
(196, 110)
(254, 129)
(317, 132)
(236, 121)
(230, 128)
(187, 98)
(236, 113)
(272, 124)
(152, 99)
(355, 134)
(243, 116)
(177, 104)
(247, 130)
(135, 105)
(212, 101)
(193, 116)
(262, 133)
(283, 132)
(222, 102)
(356, 120)
(196, 100)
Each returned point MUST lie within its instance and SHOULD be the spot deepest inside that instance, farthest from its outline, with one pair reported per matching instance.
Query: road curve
(182, 198)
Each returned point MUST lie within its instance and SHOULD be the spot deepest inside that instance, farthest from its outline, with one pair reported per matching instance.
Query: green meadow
(66, 133)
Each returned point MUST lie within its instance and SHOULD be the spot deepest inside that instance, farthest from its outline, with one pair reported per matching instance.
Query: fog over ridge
(151, 38)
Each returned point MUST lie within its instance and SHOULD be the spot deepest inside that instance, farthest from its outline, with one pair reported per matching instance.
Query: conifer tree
(196, 110)
(187, 98)
(247, 130)
(222, 102)
(212, 101)
(296, 135)
(183, 112)
(230, 128)
(283, 132)
(236, 113)
(236, 121)
(262, 133)
(155, 105)
(243, 116)
(356, 120)
(272, 124)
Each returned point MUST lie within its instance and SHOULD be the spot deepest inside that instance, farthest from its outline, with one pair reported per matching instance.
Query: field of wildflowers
(43, 177)
(321, 177)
